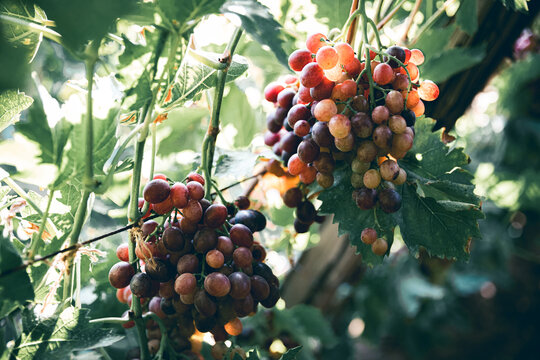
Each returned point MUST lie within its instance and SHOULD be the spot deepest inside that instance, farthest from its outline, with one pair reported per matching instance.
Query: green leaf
(237, 111)
(12, 103)
(194, 77)
(181, 12)
(352, 220)
(79, 21)
(60, 335)
(291, 353)
(260, 24)
(334, 12)
(519, 5)
(131, 51)
(452, 61)
(15, 288)
(435, 40)
(184, 129)
(140, 94)
(467, 16)
(14, 71)
(20, 36)
(234, 164)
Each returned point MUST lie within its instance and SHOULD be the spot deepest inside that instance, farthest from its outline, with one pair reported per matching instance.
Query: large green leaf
(334, 12)
(237, 111)
(467, 16)
(15, 288)
(183, 130)
(12, 103)
(59, 336)
(452, 61)
(80, 20)
(291, 354)
(435, 40)
(259, 23)
(180, 12)
(194, 77)
(235, 164)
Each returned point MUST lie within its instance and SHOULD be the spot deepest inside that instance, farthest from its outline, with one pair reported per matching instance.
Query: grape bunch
(346, 110)
(200, 266)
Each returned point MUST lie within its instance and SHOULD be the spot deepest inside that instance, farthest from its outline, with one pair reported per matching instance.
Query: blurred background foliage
(408, 308)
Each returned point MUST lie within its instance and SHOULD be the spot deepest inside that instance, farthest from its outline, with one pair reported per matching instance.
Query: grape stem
(390, 15)
(209, 143)
(368, 58)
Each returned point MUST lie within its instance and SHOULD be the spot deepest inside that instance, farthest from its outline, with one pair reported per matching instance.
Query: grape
(242, 202)
(409, 116)
(242, 257)
(140, 204)
(324, 164)
(315, 41)
(204, 304)
(335, 73)
(122, 252)
(372, 179)
(193, 176)
(215, 215)
(321, 134)
(325, 180)
(290, 79)
(311, 75)
(306, 212)
(253, 219)
(259, 288)
(215, 259)
(308, 175)
(353, 68)
(159, 270)
(380, 114)
(156, 191)
(293, 196)
(244, 306)
(205, 240)
(299, 58)
(394, 102)
(270, 138)
(362, 125)
(345, 90)
(147, 249)
(141, 285)
(401, 82)
(296, 165)
(345, 52)
(379, 247)
(366, 198)
(217, 284)
(397, 124)
(357, 180)
(241, 235)
(323, 90)
(120, 274)
(390, 200)
(417, 57)
(163, 207)
(279, 116)
(304, 94)
(289, 143)
(285, 98)
(339, 126)
(413, 72)
(327, 57)
(398, 53)
(179, 195)
(272, 299)
(308, 150)
(419, 109)
(272, 90)
(345, 144)
(301, 128)
(407, 55)
(188, 263)
(401, 178)
(193, 212)
(173, 239)
(296, 113)
(412, 99)
(273, 126)
(389, 170)
(368, 236)
(360, 104)
(240, 285)
(225, 246)
(382, 136)
(428, 90)
(301, 227)
(166, 289)
(185, 284)
(325, 109)
(359, 167)
(166, 306)
(383, 74)
(187, 226)
(367, 151)
(234, 328)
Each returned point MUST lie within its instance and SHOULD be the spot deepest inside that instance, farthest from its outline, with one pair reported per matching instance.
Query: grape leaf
(58, 336)
(187, 121)
(180, 12)
(131, 51)
(291, 353)
(12, 103)
(452, 61)
(236, 110)
(80, 20)
(15, 288)
(467, 16)
(435, 40)
(335, 12)
(259, 23)
(352, 220)
(194, 77)
(519, 5)
(234, 164)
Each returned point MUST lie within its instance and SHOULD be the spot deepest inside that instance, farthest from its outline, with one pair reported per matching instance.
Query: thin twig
(410, 20)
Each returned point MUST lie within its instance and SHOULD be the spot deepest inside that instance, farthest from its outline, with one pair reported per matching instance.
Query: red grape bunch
(336, 114)
(201, 267)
